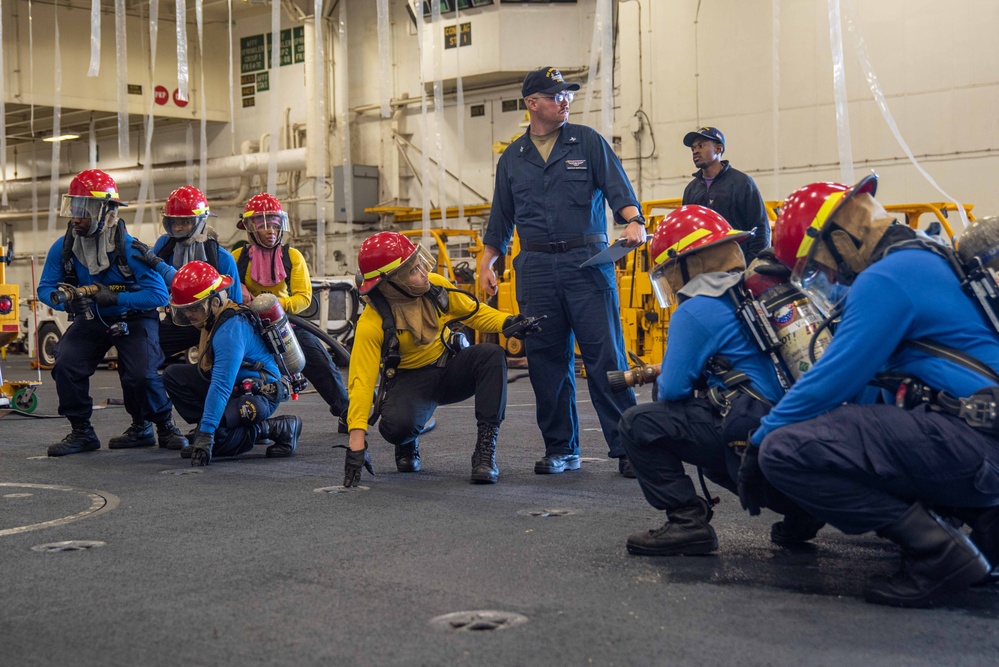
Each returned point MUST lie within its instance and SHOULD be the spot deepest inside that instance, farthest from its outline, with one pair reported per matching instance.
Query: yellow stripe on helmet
(686, 242)
(205, 292)
(199, 211)
(820, 220)
(391, 266)
(249, 214)
(100, 194)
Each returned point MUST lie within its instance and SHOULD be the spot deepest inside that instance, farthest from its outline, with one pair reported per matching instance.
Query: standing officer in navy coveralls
(97, 253)
(881, 467)
(551, 185)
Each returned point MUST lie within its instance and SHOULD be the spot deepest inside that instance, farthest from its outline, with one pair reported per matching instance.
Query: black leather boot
(685, 533)
(484, 470)
(169, 436)
(797, 528)
(937, 560)
(139, 434)
(284, 431)
(407, 457)
(81, 439)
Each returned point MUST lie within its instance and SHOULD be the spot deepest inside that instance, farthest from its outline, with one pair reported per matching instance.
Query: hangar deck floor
(247, 562)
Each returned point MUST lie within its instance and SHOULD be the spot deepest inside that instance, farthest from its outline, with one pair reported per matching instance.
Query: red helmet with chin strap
(811, 207)
(195, 281)
(95, 184)
(188, 206)
(261, 211)
(191, 291)
(379, 256)
(92, 194)
(689, 229)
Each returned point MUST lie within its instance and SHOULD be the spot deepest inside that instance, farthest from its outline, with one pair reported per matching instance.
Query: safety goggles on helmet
(261, 222)
(86, 207)
(183, 226)
(661, 287)
(821, 284)
(193, 314)
(412, 272)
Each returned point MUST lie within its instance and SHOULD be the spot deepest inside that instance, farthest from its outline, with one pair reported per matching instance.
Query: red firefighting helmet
(690, 229)
(379, 256)
(808, 208)
(192, 288)
(92, 193)
(263, 210)
(187, 205)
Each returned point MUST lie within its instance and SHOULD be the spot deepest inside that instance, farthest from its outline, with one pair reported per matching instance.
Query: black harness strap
(390, 350)
(211, 251)
(118, 255)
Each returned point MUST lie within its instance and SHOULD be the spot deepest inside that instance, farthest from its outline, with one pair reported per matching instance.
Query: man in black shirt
(726, 190)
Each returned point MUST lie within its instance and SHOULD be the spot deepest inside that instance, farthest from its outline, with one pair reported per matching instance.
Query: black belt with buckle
(562, 246)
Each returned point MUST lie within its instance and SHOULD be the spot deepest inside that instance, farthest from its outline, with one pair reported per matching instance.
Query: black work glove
(353, 462)
(105, 297)
(146, 255)
(79, 306)
(519, 326)
(752, 483)
(202, 446)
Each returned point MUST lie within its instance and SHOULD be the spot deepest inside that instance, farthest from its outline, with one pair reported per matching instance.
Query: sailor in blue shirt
(236, 384)
(881, 467)
(185, 219)
(553, 185)
(698, 261)
(93, 274)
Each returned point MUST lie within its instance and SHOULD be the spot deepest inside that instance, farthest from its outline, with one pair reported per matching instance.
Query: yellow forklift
(14, 394)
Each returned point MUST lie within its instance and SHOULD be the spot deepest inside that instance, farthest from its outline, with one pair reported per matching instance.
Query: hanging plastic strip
(189, 154)
(92, 143)
(606, 69)
(95, 38)
(31, 70)
(146, 188)
(203, 170)
(879, 98)
(121, 59)
(839, 94)
(56, 129)
(320, 142)
(775, 70)
(385, 58)
(424, 133)
(273, 62)
(232, 106)
(436, 49)
(460, 101)
(344, 104)
(591, 73)
(181, 15)
(3, 121)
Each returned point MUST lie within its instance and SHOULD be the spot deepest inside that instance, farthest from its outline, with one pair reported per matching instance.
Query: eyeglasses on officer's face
(558, 98)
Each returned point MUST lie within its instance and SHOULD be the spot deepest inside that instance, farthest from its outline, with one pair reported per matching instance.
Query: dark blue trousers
(188, 387)
(660, 437)
(82, 348)
(478, 370)
(582, 309)
(860, 467)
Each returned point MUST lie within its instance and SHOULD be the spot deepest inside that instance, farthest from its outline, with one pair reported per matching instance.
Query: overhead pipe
(292, 159)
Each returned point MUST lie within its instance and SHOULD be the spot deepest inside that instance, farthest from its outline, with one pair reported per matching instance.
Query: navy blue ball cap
(547, 80)
(712, 133)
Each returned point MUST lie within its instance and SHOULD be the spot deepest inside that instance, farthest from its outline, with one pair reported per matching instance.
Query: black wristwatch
(637, 218)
